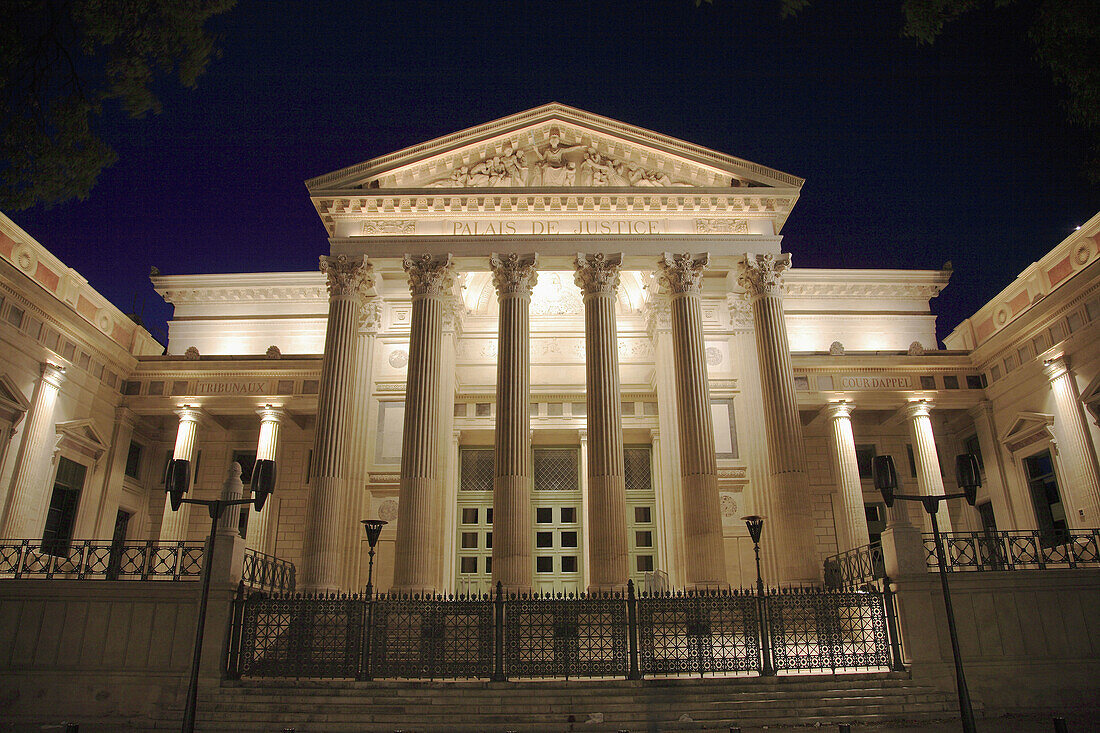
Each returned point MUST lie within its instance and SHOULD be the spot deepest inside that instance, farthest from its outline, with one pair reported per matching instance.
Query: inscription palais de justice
(556, 226)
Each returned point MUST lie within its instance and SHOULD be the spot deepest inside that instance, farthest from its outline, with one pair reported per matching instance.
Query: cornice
(287, 287)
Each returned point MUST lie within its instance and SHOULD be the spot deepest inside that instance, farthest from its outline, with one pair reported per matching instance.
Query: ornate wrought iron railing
(855, 568)
(267, 573)
(101, 560)
(560, 636)
(1015, 550)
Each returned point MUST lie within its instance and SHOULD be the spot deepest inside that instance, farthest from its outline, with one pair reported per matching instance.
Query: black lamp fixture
(968, 478)
(373, 528)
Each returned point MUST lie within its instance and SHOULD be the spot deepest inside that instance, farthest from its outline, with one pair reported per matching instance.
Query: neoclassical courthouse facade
(557, 351)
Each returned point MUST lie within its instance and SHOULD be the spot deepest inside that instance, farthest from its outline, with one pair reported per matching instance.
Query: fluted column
(29, 497)
(359, 437)
(598, 278)
(1075, 449)
(851, 521)
(927, 458)
(513, 276)
(789, 514)
(682, 276)
(323, 561)
(258, 535)
(173, 524)
(121, 438)
(994, 478)
(417, 546)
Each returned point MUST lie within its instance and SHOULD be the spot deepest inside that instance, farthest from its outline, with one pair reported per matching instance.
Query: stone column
(513, 276)
(598, 278)
(29, 496)
(417, 546)
(993, 474)
(446, 467)
(788, 508)
(851, 522)
(682, 276)
(323, 558)
(174, 524)
(1075, 449)
(359, 437)
(258, 534)
(669, 504)
(927, 458)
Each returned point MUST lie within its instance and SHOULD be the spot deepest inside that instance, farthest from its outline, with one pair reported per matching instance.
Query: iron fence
(1015, 550)
(99, 560)
(855, 568)
(560, 636)
(264, 572)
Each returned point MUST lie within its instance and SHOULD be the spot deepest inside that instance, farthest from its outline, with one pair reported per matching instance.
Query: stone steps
(643, 705)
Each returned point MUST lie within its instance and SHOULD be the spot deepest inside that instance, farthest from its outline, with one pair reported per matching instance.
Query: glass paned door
(556, 517)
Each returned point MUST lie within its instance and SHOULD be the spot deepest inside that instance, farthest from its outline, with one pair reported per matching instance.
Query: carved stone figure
(553, 168)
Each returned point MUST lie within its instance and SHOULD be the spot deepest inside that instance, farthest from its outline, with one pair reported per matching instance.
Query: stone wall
(1030, 640)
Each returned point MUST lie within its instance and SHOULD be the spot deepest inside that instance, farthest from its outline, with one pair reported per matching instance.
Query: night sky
(912, 155)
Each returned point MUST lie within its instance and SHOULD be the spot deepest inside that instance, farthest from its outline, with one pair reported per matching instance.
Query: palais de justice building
(557, 351)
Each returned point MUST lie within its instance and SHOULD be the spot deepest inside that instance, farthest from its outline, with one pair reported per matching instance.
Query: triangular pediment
(1028, 428)
(553, 147)
(83, 436)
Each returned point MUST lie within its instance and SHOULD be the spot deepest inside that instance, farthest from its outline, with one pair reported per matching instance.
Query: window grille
(556, 469)
(637, 467)
(477, 470)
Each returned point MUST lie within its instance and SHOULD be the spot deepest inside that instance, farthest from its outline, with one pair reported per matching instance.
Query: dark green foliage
(62, 61)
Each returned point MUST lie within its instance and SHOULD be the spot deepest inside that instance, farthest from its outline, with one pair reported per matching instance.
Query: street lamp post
(969, 479)
(755, 525)
(176, 483)
(373, 528)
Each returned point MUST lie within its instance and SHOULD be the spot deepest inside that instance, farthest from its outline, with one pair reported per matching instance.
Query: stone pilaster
(1074, 447)
(29, 496)
(323, 560)
(174, 524)
(417, 547)
(598, 278)
(513, 277)
(927, 458)
(258, 534)
(682, 276)
(788, 506)
(121, 438)
(993, 475)
(851, 520)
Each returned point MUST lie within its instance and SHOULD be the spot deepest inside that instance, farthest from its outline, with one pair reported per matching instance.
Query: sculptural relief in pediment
(554, 164)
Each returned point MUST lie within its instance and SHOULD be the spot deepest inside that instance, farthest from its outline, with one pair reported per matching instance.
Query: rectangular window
(469, 515)
(975, 381)
(569, 539)
(628, 409)
(61, 515)
(643, 515)
(489, 515)
(636, 462)
(644, 563)
(544, 539)
(544, 515)
(556, 469)
(569, 564)
(133, 460)
(568, 515)
(1050, 513)
(865, 455)
(643, 539)
(488, 540)
(476, 469)
(927, 382)
(482, 409)
(468, 565)
(460, 409)
(950, 381)
(544, 564)
(469, 540)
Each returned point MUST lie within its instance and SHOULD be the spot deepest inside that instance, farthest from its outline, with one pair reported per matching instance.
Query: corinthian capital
(683, 273)
(598, 274)
(429, 275)
(763, 274)
(347, 277)
(514, 274)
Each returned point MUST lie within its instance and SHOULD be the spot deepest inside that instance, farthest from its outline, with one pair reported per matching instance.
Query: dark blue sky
(912, 155)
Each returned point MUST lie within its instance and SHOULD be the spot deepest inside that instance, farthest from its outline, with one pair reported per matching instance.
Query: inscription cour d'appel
(873, 381)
